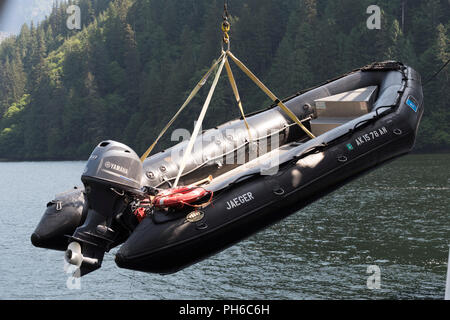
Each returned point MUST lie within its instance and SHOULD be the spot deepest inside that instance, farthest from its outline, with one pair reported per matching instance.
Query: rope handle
(200, 206)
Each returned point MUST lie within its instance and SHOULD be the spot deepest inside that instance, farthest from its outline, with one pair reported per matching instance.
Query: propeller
(74, 256)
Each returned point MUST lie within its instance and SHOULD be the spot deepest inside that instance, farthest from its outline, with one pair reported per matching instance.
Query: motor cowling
(116, 165)
(111, 178)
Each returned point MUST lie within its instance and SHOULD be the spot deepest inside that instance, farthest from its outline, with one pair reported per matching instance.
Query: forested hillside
(133, 63)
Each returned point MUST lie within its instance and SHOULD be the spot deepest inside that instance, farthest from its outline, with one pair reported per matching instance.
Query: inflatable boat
(233, 186)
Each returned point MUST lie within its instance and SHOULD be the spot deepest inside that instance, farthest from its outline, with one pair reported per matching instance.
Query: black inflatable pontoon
(361, 120)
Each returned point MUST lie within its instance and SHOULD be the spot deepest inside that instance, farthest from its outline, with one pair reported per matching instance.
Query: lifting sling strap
(270, 94)
(223, 60)
(188, 100)
(199, 122)
(238, 98)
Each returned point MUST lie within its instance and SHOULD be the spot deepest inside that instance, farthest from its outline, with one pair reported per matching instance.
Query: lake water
(395, 218)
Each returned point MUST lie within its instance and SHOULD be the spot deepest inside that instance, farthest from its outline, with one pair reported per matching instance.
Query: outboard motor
(112, 178)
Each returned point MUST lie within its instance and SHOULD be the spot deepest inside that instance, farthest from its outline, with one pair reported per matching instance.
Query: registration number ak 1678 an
(370, 136)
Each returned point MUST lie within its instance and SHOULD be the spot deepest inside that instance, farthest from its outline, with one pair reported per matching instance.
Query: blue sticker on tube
(411, 102)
